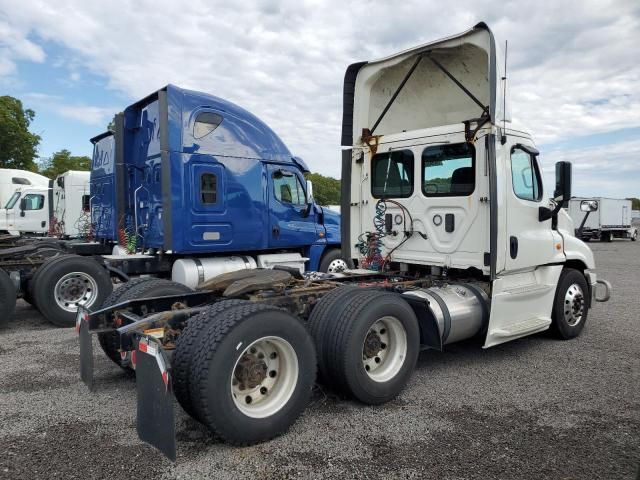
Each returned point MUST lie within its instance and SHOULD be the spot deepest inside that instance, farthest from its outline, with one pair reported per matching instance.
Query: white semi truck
(445, 213)
(11, 178)
(59, 209)
(600, 218)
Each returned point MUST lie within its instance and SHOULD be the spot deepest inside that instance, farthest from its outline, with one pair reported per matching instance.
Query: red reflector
(134, 358)
(142, 347)
(165, 378)
(86, 317)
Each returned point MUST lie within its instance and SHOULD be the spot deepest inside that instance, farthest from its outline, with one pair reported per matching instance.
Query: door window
(392, 174)
(34, 201)
(208, 188)
(448, 170)
(525, 176)
(287, 188)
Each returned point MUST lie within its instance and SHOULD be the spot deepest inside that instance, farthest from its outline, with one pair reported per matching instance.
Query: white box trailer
(602, 218)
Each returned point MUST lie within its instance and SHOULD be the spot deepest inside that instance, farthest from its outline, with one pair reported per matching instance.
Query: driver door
(291, 223)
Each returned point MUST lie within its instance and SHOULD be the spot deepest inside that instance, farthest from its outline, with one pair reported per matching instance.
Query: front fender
(576, 249)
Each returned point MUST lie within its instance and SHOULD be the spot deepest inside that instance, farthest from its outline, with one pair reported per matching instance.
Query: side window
(287, 188)
(85, 203)
(34, 201)
(525, 177)
(392, 174)
(12, 201)
(208, 188)
(448, 170)
(206, 123)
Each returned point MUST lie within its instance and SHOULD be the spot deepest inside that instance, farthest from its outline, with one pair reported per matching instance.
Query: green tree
(63, 161)
(18, 146)
(635, 203)
(326, 190)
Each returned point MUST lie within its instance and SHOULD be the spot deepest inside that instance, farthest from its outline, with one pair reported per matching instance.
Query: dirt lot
(533, 408)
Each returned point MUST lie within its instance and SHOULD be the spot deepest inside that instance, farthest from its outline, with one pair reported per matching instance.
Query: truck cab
(204, 176)
(442, 181)
(26, 212)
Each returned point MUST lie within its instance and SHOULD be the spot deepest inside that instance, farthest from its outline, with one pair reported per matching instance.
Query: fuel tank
(460, 310)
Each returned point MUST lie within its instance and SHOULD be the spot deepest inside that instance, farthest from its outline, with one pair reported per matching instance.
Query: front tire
(67, 282)
(570, 305)
(334, 262)
(252, 375)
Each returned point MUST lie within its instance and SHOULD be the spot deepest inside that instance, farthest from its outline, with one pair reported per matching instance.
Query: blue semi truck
(188, 186)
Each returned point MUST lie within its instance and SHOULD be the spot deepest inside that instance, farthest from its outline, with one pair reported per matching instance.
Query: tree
(62, 161)
(18, 146)
(326, 190)
(635, 203)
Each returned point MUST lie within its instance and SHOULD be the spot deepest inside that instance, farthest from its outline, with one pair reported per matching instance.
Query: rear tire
(186, 347)
(370, 345)
(334, 262)
(133, 289)
(634, 236)
(32, 282)
(7, 298)
(66, 282)
(570, 305)
(243, 413)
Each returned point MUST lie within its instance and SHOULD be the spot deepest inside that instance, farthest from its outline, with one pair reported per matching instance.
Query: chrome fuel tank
(460, 310)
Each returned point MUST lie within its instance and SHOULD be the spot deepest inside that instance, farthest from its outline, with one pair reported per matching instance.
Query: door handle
(513, 247)
(449, 222)
(276, 232)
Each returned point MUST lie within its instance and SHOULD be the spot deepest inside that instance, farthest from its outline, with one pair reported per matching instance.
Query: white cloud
(572, 65)
(87, 114)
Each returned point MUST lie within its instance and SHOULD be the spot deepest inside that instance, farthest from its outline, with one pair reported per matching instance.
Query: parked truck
(600, 218)
(11, 178)
(187, 187)
(445, 213)
(59, 209)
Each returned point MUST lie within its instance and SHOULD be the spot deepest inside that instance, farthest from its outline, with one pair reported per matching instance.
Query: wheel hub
(74, 289)
(250, 371)
(574, 305)
(372, 344)
(337, 266)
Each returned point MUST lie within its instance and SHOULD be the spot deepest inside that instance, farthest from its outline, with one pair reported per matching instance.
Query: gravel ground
(533, 408)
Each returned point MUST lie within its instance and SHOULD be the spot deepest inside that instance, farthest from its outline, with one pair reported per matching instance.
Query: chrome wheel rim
(75, 289)
(336, 266)
(384, 349)
(264, 377)
(574, 305)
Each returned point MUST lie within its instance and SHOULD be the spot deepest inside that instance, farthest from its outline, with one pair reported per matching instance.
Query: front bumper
(593, 282)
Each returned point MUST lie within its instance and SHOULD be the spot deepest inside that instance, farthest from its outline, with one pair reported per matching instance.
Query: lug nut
(377, 359)
(247, 399)
(263, 390)
(272, 373)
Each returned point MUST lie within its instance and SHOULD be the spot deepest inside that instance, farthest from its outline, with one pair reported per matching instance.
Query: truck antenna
(503, 139)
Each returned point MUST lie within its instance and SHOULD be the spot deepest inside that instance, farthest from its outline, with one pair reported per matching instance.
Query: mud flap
(86, 350)
(155, 419)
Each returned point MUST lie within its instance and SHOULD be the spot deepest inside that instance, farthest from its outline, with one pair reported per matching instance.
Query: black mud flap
(86, 350)
(155, 422)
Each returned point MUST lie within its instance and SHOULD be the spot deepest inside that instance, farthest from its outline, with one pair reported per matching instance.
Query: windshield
(12, 201)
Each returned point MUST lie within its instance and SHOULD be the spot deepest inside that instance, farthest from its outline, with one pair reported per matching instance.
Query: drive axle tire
(570, 305)
(185, 349)
(32, 283)
(7, 298)
(334, 262)
(137, 288)
(252, 376)
(634, 236)
(67, 282)
(371, 345)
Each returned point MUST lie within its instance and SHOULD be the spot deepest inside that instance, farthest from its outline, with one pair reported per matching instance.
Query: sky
(573, 68)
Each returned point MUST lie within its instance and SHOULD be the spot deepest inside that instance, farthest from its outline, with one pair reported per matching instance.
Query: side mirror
(23, 204)
(562, 193)
(589, 205)
(309, 192)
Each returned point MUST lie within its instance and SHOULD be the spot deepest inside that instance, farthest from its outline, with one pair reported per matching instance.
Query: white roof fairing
(430, 98)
